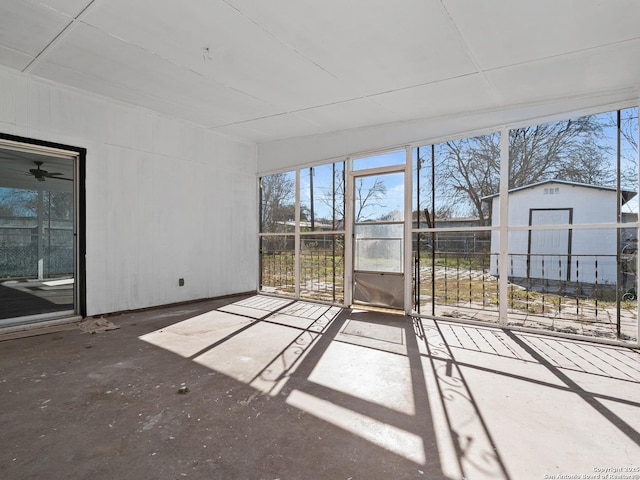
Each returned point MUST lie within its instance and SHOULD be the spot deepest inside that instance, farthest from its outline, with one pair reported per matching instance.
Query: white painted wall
(165, 198)
(589, 206)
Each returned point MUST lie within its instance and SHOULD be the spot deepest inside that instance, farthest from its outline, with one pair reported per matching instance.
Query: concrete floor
(293, 390)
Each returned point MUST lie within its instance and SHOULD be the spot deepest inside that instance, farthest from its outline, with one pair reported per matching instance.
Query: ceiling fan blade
(57, 175)
(41, 175)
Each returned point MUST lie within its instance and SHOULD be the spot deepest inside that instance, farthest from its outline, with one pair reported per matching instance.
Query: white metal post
(259, 223)
(408, 223)
(348, 234)
(503, 256)
(296, 248)
(638, 256)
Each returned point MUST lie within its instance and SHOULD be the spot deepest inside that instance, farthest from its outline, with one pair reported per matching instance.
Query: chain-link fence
(21, 261)
(21, 254)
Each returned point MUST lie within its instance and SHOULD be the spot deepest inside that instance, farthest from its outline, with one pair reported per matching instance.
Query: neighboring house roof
(626, 194)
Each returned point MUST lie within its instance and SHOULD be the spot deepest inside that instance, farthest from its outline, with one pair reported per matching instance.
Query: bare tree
(277, 201)
(469, 169)
(15, 202)
(586, 166)
(368, 199)
(628, 130)
(629, 127)
(542, 152)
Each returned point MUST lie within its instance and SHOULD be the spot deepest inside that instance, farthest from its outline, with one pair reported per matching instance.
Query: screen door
(378, 266)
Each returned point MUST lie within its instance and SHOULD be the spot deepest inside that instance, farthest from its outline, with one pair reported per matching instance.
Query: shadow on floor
(32, 298)
(283, 389)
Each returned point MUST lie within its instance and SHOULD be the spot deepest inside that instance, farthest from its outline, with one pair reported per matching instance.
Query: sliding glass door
(37, 233)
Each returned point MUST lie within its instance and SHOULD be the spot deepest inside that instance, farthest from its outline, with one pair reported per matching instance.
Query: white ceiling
(268, 70)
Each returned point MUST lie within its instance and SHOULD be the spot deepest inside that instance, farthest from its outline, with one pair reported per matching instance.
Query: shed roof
(626, 194)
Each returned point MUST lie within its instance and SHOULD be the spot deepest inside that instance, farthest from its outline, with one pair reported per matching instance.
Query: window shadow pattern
(454, 400)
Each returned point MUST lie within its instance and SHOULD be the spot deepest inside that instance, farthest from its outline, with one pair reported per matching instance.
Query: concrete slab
(257, 307)
(294, 390)
(248, 355)
(375, 331)
(191, 336)
(367, 374)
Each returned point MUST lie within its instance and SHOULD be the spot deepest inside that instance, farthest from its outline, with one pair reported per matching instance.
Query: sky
(322, 175)
(323, 185)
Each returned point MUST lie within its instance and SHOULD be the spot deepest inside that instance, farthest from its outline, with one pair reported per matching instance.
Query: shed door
(549, 250)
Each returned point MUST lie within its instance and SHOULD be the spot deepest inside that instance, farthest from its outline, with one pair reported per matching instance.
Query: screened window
(452, 245)
(278, 203)
(322, 198)
(315, 269)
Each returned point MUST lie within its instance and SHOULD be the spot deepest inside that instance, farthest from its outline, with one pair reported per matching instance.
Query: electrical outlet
(181, 282)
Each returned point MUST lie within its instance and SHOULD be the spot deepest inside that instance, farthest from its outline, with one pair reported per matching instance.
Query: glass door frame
(77, 156)
(350, 221)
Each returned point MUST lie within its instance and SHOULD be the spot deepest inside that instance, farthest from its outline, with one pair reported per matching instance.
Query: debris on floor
(97, 325)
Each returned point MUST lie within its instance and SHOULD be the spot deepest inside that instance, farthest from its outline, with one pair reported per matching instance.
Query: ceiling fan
(41, 175)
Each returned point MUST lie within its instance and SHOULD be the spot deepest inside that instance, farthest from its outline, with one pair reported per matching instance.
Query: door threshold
(374, 308)
(39, 328)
